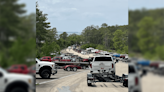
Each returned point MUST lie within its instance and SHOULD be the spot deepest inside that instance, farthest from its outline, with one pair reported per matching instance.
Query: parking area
(69, 81)
(61, 74)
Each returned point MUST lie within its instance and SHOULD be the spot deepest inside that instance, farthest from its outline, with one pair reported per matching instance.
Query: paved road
(65, 81)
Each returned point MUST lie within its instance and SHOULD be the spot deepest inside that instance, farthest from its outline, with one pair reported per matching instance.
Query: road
(152, 83)
(65, 81)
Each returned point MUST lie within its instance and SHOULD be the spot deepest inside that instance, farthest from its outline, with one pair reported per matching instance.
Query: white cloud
(83, 13)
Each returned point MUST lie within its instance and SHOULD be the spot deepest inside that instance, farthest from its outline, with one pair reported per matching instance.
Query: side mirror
(1, 74)
(144, 72)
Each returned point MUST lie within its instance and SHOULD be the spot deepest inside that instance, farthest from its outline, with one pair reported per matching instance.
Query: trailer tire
(89, 84)
(68, 69)
(74, 69)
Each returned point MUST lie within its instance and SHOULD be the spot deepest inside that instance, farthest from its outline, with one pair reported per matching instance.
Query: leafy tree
(63, 35)
(118, 39)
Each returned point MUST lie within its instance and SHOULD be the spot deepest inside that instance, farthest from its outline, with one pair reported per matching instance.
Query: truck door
(2, 81)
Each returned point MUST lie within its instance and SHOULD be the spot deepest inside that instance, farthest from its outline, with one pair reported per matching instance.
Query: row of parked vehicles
(102, 68)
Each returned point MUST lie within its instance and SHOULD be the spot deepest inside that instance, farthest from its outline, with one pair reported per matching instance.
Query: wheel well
(45, 67)
(16, 84)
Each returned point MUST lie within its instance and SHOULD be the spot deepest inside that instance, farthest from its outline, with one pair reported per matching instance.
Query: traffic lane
(61, 73)
(78, 83)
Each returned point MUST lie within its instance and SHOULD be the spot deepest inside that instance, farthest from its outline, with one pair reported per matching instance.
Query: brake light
(136, 81)
(112, 65)
(90, 65)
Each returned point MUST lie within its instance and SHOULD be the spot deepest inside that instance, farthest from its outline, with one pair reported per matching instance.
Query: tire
(89, 84)
(45, 74)
(74, 69)
(68, 69)
(18, 89)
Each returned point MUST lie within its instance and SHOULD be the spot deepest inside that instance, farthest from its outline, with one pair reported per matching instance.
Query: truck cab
(45, 69)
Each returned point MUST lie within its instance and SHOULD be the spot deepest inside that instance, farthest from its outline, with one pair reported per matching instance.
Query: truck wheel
(46, 74)
(18, 89)
(89, 84)
(74, 69)
(68, 69)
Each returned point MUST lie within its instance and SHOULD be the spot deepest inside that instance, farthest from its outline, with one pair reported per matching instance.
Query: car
(94, 50)
(122, 56)
(98, 51)
(83, 52)
(72, 67)
(46, 58)
(154, 64)
(19, 68)
(143, 62)
(80, 59)
(14, 82)
(116, 55)
(79, 51)
(56, 58)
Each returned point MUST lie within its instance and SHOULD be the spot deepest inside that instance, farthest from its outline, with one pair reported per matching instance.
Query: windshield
(103, 59)
(2, 70)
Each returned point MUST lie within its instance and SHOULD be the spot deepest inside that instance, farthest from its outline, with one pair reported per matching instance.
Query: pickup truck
(12, 82)
(45, 69)
(134, 78)
(102, 67)
(21, 68)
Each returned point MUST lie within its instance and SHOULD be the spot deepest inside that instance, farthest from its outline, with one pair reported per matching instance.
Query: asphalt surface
(65, 81)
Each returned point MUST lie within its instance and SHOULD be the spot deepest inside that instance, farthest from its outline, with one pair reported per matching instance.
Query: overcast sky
(74, 15)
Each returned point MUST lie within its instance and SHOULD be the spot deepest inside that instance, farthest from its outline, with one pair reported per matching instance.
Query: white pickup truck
(12, 82)
(101, 68)
(45, 69)
(134, 78)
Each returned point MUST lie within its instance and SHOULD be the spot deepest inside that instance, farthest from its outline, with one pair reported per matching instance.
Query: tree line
(110, 38)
